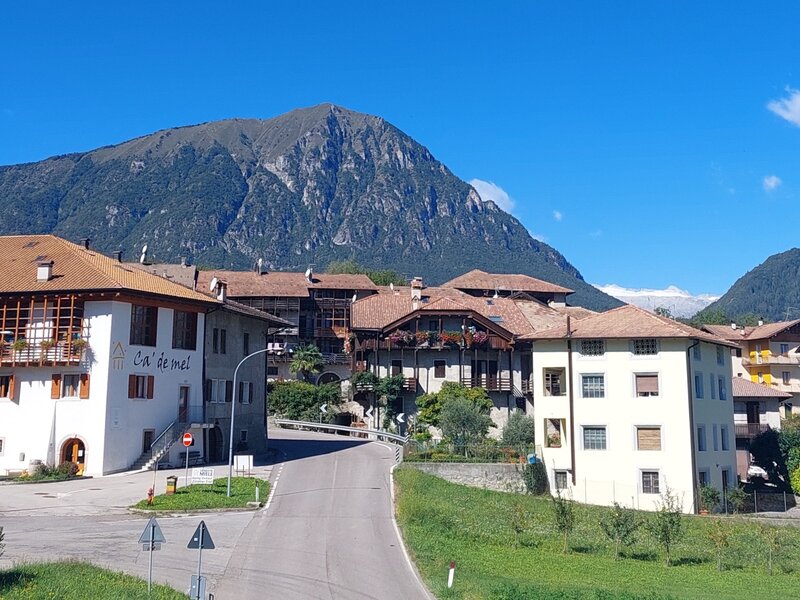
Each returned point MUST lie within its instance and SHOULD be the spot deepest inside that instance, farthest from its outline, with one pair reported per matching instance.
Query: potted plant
(46, 345)
(468, 337)
(422, 338)
(79, 345)
(554, 440)
(709, 498)
(20, 344)
(479, 338)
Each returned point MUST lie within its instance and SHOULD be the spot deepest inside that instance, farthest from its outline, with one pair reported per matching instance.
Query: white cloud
(488, 190)
(557, 215)
(787, 108)
(771, 182)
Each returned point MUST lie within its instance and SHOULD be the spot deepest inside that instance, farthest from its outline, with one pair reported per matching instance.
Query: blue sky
(635, 137)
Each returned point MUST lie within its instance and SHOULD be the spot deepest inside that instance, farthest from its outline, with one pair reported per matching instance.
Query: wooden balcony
(330, 358)
(330, 332)
(410, 384)
(495, 342)
(527, 386)
(489, 383)
(750, 430)
(62, 353)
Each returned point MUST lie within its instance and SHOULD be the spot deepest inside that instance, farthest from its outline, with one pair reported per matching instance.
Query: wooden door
(147, 439)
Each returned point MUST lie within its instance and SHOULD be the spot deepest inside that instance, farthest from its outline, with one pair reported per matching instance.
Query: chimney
(183, 261)
(310, 274)
(733, 325)
(117, 255)
(44, 270)
(569, 327)
(85, 243)
(221, 291)
(760, 322)
(416, 289)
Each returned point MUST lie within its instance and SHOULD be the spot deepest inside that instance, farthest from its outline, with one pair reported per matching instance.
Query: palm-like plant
(307, 359)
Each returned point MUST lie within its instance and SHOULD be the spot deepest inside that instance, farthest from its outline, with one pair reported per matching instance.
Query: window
(144, 321)
(711, 386)
(223, 342)
(726, 478)
(219, 391)
(245, 343)
(594, 438)
(184, 330)
(723, 434)
(646, 385)
(245, 392)
(784, 348)
(561, 480)
(701, 438)
(141, 386)
(698, 385)
(759, 358)
(703, 477)
(696, 352)
(645, 347)
(2, 446)
(553, 382)
(215, 341)
(785, 375)
(714, 437)
(593, 386)
(650, 482)
(396, 368)
(552, 430)
(243, 436)
(593, 347)
(69, 387)
(439, 368)
(433, 325)
(7, 386)
(648, 438)
(272, 371)
(723, 393)
(720, 356)
(760, 377)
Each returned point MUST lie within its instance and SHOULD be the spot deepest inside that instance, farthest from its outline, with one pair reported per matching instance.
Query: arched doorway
(328, 377)
(74, 451)
(215, 444)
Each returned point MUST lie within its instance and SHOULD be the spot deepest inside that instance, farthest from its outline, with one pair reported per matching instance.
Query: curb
(26, 482)
(193, 511)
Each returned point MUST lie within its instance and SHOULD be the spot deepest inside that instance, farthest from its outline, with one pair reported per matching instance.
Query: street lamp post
(233, 412)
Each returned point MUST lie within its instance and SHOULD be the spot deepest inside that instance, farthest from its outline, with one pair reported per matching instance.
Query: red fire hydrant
(150, 494)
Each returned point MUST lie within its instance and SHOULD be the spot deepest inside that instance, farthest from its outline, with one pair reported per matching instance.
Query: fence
(436, 451)
(353, 431)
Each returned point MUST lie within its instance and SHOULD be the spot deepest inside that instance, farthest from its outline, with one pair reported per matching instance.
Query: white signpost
(151, 540)
(202, 476)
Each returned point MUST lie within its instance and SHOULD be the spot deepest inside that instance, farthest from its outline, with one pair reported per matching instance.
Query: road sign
(202, 476)
(152, 527)
(201, 532)
(187, 439)
(400, 418)
(368, 414)
(323, 409)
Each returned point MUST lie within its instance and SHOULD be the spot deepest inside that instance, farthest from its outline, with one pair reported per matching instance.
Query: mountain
(307, 187)
(771, 291)
(679, 302)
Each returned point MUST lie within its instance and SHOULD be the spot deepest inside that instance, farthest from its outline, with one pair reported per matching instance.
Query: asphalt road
(327, 533)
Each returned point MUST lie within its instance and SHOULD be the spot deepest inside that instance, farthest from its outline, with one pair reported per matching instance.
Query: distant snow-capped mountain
(679, 302)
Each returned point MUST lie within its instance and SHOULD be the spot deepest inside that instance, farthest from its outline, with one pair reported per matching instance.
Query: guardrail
(327, 427)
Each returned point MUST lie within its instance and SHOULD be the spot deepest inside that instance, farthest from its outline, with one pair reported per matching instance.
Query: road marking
(274, 486)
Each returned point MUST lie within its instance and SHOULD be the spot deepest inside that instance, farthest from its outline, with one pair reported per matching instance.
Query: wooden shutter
(241, 392)
(648, 438)
(55, 388)
(153, 327)
(228, 391)
(10, 387)
(223, 341)
(250, 394)
(151, 384)
(83, 393)
(647, 384)
(207, 391)
(131, 386)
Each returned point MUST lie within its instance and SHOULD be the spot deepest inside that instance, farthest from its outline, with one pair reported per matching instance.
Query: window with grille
(650, 482)
(184, 330)
(144, 322)
(645, 346)
(561, 480)
(646, 385)
(594, 438)
(648, 438)
(593, 347)
(593, 386)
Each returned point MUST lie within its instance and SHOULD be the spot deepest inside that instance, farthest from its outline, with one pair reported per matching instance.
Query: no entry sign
(187, 439)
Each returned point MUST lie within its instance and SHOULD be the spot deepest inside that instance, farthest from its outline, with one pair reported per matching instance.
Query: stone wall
(501, 477)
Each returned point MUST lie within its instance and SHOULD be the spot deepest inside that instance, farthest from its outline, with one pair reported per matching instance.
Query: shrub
(772, 539)
(519, 432)
(709, 497)
(301, 401)
(563, 517)
(429, 406)
(666, 525)
(720, 535)
(535, 478)
(620, 525)
(736, 498)
(464, 423)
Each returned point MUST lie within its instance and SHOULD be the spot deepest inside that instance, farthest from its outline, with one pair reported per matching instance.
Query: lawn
(199, 497)
(76, 581)
(442, 521)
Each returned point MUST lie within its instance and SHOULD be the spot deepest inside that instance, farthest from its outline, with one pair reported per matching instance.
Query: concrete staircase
(160, 447)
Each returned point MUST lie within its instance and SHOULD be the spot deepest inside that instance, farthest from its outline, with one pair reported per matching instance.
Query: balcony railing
(61, 353)
(527, 386)
(489, 383)
(330, 358)
(495, 342)
(410, 384)
(771, 359)
(750, 430)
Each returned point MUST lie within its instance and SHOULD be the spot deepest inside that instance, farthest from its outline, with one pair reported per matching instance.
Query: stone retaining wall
(501, 477)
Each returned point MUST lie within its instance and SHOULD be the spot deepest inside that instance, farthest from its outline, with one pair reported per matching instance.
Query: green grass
(198, 497)
(442, 521)
(76, 581)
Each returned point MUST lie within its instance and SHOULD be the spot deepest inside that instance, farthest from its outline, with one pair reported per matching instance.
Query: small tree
(464, 423)
(307, 359)
(519, 432)
(736, 498)
(709, 497)
(564, 517)
(773, 544)
(535, 478)
(518, 517)
(429, 406)
(720, 535)
(666, 525)
(620, 525)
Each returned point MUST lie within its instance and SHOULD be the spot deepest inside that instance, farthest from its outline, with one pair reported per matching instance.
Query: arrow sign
(158, 536)
(324, 408)
(368, 414)
(400, 418)
(201, 531)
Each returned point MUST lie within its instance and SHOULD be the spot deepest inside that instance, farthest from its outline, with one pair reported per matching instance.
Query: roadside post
(151, 540)
(187, 441)
(201, 539)
(322, 411)
(451, 574)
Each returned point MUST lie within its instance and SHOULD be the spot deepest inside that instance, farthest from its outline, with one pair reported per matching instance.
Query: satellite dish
(213, 285)
(143, 257)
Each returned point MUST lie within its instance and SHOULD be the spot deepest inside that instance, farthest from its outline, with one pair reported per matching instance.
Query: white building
(98, 360)
(629, 404)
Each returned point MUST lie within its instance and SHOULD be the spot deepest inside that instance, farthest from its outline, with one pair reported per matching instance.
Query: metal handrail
(390, 437)
(162, 434)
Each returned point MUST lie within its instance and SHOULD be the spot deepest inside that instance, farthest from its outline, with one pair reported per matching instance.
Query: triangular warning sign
(154, 530)
(201, 533)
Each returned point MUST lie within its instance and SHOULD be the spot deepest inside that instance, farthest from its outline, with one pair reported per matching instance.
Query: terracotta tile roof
(378, 310)
(76, 269)
(481, 280)
(744, 388)
(626, 322)
(283, 284)
(759, 332)
(576, 312)
(185, 275)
